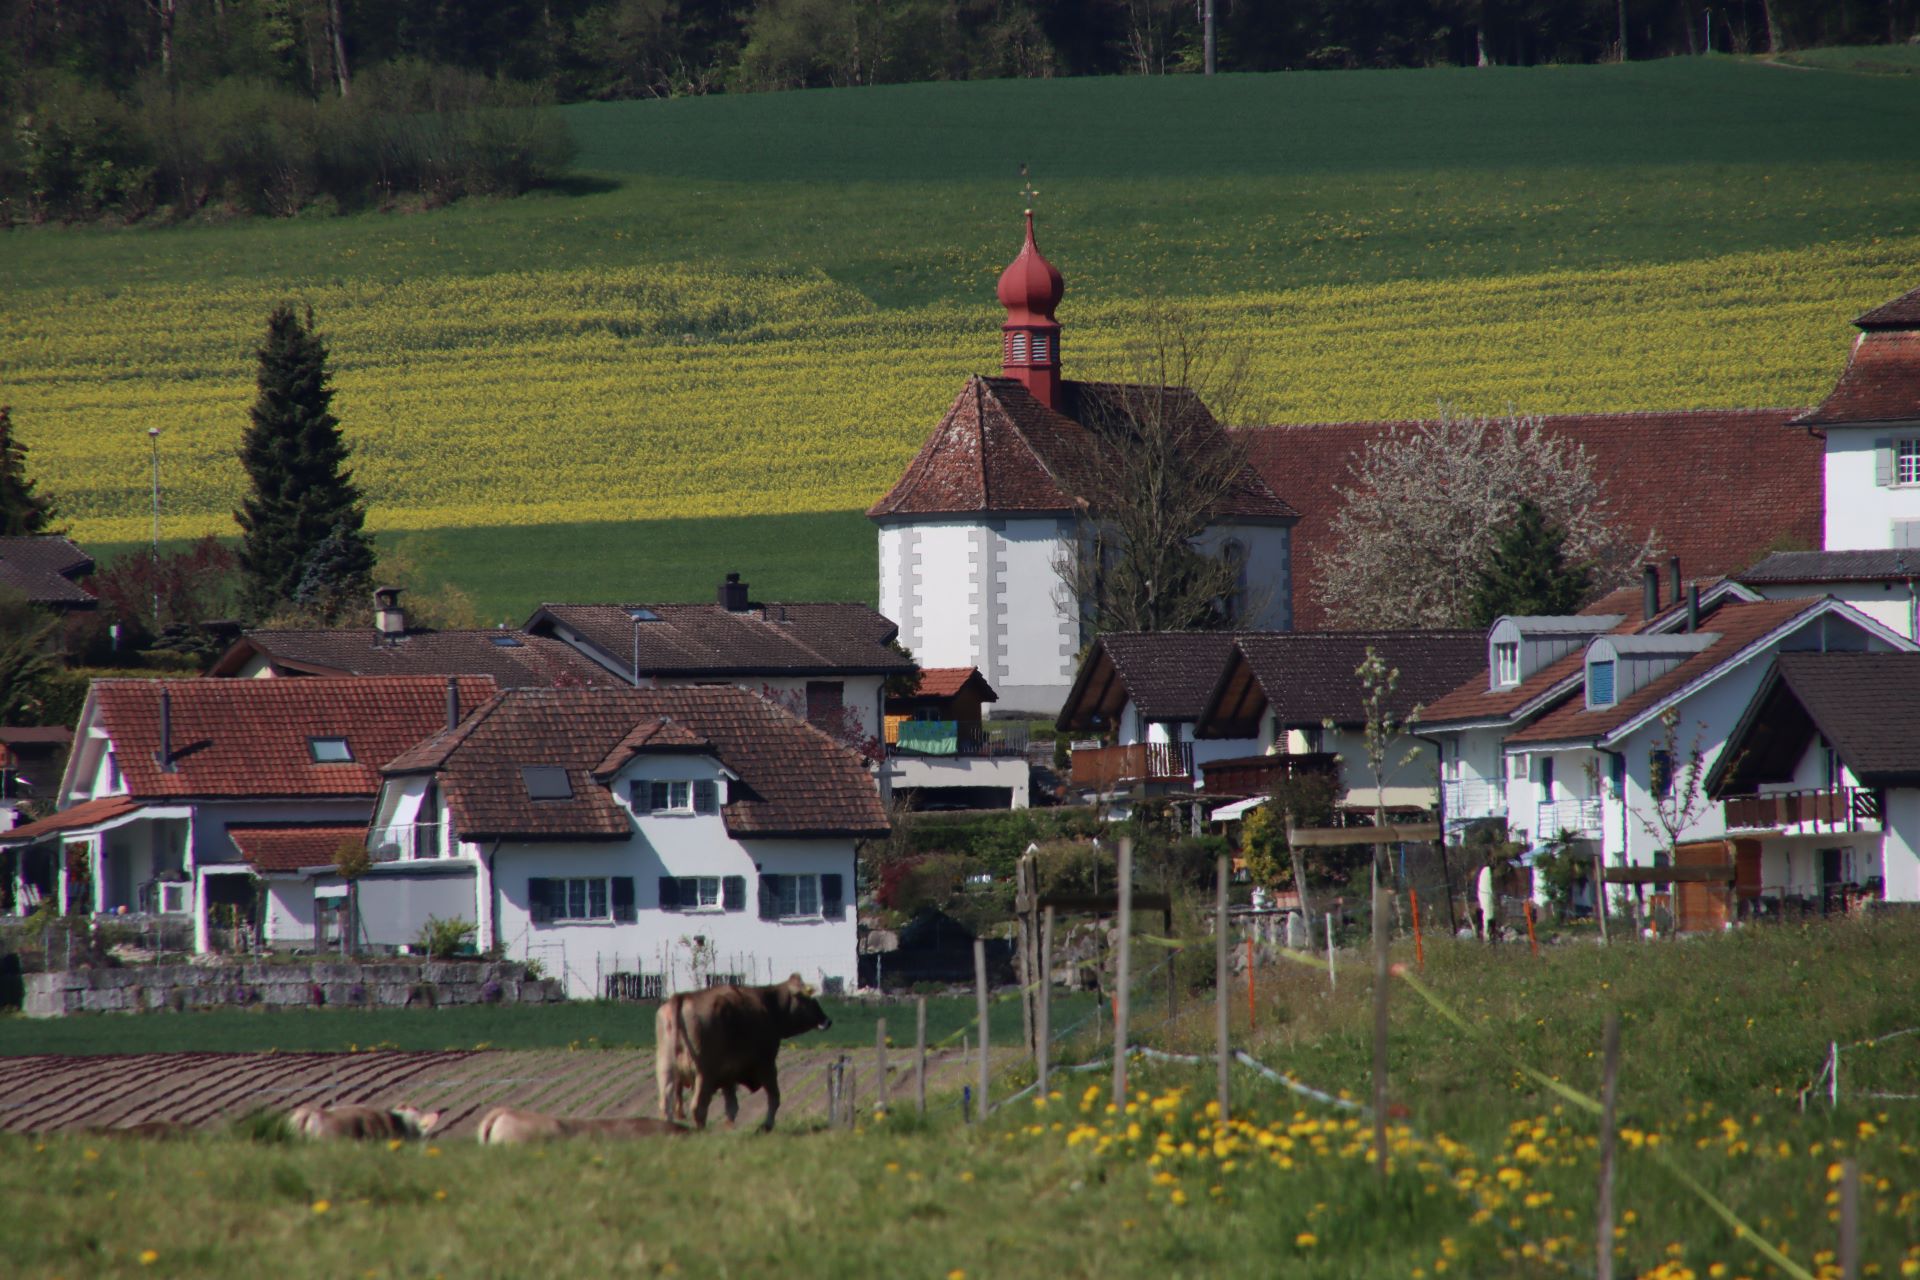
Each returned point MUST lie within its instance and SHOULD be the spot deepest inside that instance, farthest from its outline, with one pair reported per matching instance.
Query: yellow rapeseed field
(647, 392)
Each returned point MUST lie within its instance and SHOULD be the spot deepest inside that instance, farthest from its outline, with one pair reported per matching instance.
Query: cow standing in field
(505, 1126)
(311, 1120)
(725, 1038)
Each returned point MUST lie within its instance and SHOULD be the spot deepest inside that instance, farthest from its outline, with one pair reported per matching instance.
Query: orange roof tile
(271, 847)
(84, 814)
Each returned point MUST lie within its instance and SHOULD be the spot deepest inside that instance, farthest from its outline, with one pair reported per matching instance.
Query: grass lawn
(1492, 1175)
(583, 1024)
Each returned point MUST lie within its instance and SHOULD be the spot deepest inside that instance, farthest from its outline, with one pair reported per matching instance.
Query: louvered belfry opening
(1030, 288)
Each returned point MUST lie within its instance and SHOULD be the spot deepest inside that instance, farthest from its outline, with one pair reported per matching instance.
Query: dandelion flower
(321, 1206)
(149, 1256)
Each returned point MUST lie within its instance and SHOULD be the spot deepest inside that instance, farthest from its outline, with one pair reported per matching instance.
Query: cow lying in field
(506, 1125)
(311, 1120)
(725, 1038)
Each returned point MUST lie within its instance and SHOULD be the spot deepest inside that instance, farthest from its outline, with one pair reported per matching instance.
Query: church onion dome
(1030, 287)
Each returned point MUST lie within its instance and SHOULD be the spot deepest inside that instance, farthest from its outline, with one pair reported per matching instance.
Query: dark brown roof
(1902, 313)
(706, 639)
(271, 847)
(1736, 626)
(1655, 469)
(793, 779)
(1866, 705)
(1000, 450)
(1167, 675)
(234, 738)
(36, 735)
(1881, 382)
(511, 658)
(1835, 566)
(84, 814)
(1308, 678)
(44, 568)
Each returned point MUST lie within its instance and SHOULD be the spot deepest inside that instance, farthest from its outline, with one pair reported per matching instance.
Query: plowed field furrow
(218, 1084)
(57, 1102)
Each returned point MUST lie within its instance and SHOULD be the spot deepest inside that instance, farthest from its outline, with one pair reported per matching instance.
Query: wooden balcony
(1258, 775)
(1832, 809)
(1111, 768)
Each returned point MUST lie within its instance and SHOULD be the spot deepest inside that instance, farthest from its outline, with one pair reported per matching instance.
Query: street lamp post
(153, 436)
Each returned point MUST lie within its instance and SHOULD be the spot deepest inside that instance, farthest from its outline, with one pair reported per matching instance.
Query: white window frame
(800, 912)
(564, 914)
(698, 899)
(679, 796)
(330, 739)
(1906, 462)
(1506, 663)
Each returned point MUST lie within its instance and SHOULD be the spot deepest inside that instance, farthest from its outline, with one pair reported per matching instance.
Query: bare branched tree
(1426, 505)
(1159, 468)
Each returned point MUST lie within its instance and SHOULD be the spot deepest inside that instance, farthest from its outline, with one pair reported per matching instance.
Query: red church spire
(1030, 288)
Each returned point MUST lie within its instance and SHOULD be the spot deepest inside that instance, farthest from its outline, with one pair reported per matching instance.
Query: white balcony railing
(409, 841)
(1470, 799)
(1580, 815)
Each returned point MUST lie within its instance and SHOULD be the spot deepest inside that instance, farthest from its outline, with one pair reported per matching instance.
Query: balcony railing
(1580, 815)
(951, 738)
(1105, 768)
(1258, 775)
(1831, 809)
(411, 840)
(1467, 799)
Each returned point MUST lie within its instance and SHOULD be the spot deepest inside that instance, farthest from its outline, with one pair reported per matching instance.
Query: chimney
(1650, 592)
(453, 704)
(165, 754)
(733, 594)
(1673, 570)
(389, 619)
(1693, 607)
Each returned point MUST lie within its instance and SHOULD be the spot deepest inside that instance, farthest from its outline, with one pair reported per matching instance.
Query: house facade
(643, 841)
(940, 752)
(1870, 426)
(1141, 695)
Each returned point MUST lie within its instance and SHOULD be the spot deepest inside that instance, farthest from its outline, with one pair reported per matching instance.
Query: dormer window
(1506, 664)
(1600, 691)
(676, 797)
(329, 751)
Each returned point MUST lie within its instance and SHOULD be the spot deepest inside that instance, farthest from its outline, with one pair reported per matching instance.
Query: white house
(828, 663)
(218, 804)
(642, 841)
(1143, 694)
(974, 535)
(1820, 784)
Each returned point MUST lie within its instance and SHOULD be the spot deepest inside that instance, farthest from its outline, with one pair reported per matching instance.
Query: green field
(758, 305)
(1493, 1173)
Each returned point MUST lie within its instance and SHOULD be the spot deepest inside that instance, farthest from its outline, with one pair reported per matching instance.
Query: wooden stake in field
(1603, 1201)
(980, 1000)
(1024, 941)
(1419, 952)
(1600, 897)
(1043, 1007)
(1249, 985)
(1122, 980)
(1221, 871)
(1333, 978)
(1532, 941)
(880, 1062)
(1379, 1028)
(920, 1053)
(1850, 1219)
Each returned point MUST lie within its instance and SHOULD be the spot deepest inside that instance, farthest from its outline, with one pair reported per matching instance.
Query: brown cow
(728, 1037)
(311, 1120)
(506, 1125)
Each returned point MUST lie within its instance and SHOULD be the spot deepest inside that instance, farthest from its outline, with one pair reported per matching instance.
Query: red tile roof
(1902, 313)
(998, 449)
(1697, 478)
(512, 658)
(235, 738)
(793, 779)
(277, 848)
(1881, 382)
(43, 567)
(84, 814)
(1736, 625)
(686, 640)
(945, 682)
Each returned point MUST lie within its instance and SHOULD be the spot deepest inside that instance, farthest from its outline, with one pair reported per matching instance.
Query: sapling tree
(1676, 798)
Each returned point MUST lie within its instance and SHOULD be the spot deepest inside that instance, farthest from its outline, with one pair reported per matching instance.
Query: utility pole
(1206, 23)
(153, 436)
(1621, 7)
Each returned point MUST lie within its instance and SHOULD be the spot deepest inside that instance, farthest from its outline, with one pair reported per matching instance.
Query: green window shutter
(669, 894)
(733, 893)
(769, 897)
(624, 909)
(832, 905)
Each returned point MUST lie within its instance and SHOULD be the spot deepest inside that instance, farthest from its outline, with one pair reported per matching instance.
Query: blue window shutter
(1600, 684)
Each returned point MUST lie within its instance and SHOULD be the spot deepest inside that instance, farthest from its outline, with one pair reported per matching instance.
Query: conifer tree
(1527, 573)
(303, 498)
(22, 512)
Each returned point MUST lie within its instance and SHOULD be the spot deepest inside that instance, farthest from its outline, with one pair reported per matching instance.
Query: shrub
(444, 939)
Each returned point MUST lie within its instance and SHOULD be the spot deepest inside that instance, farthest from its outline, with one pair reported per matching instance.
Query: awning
(88, 814)
(274, 848)
(1237, 810)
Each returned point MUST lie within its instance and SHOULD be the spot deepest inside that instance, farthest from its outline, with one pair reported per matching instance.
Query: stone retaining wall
(257, 984)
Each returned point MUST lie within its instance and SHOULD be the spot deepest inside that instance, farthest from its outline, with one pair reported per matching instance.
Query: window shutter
(640, 795)
(706, 797)
(831, 905)
(1883, 463)
(669, 894)
(623, 904)
(1906, 534)
(769, 901)
(538, 902)
(733, 891)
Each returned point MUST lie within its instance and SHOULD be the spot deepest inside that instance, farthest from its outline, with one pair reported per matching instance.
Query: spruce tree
(1527, 571)
(22, 512)
(303, 495)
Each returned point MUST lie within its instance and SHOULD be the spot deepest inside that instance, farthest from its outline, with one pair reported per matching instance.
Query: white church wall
(1862, 514)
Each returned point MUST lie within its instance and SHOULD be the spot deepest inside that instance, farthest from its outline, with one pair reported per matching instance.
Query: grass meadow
(757, 306)
(1492, 1173)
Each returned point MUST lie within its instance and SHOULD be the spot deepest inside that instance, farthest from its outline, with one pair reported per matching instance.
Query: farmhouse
(641, 841)
(178, 794)
(940, 753)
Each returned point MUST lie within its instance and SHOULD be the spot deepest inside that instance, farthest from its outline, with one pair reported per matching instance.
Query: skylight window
(506, 642)
(329, 750)
(643, 615)
(546, 782)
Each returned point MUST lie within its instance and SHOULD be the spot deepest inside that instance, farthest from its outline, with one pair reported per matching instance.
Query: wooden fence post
(1603, 1201)
(1600, 896)
(1249, 986)
(1122, 980)
(920, 1053)
(1419, 952)
(833, 1094)
(1043, 1007)
(980, 1000)
(1220, 986)
(1850, 1219)
(1532, 941)
(880, 1063)
(1379, 1028)
(1023, 943)
(1333, 979)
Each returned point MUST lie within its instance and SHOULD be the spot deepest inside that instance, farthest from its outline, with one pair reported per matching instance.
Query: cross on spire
(1027, 190)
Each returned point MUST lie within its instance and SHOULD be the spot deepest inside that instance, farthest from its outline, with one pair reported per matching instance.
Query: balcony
(1470, 799)
(952, 738)
(1258, 775)
(1578, 815)
(1110, 768)
(408, 840)
(1813, 812)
